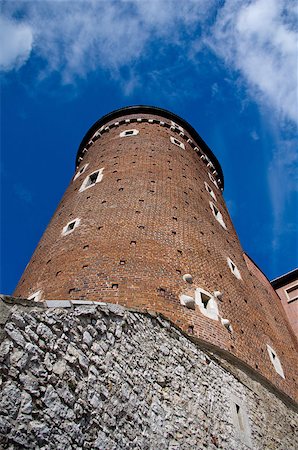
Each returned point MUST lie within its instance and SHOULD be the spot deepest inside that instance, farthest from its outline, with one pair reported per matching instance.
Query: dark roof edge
(157, 111)
(285, 279)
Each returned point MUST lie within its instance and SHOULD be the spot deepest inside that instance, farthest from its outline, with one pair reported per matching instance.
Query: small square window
(92, 179)
(240, 420)
(217, 214)
(129, 133)
(80, 171)
(177, 142)
(207, 303)
(208, 189)
(275, 361)
(69, 228)
(234, 269)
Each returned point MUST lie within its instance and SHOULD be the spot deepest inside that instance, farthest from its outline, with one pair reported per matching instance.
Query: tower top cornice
(145, 109)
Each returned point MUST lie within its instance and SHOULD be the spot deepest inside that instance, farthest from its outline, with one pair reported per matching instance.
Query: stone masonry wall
(99, 376)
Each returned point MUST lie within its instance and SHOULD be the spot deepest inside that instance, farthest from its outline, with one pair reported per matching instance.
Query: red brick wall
(153, 194)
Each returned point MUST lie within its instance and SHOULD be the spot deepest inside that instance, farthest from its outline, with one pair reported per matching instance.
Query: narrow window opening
(213, 180)
(127, 133)
(275, 361)
(92, 179)
(292, 293)
(69, 228)
(240, 419)
(234, 269)
(208, 189)
(133, 243)
(114, 286)
(206, 303)
(80, 171)
(205, 300)
(217, 214)
(177, 142)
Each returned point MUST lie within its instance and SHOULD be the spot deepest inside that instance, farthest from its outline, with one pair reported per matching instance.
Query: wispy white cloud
(256, 38)
(16, 43)
(76, 38)
(283, 186)
(259, 39)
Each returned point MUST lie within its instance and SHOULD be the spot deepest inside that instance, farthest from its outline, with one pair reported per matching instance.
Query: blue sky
(228, 67)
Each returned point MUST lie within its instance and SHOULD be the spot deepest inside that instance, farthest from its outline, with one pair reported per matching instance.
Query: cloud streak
(259, 40)
(16, 44)
(256, 38)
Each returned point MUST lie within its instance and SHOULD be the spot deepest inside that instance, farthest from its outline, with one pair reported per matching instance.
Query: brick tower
(143, 223)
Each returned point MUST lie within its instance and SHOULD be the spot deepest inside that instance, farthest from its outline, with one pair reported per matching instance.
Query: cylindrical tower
(143, 223)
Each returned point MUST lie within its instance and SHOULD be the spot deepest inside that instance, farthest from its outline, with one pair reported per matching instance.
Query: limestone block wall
(99, 376)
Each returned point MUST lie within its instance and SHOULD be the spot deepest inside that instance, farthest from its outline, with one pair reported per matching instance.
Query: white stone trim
(213, 180)
(217, 214)
(127, 133)
(177, 142)
(210, 191)
(240, 420)
(36, 296)
(209, 308)
(67, 229)
(292, 287)
(172, 125)
(275, 361)
(175, 125)
(80, 171)
(234, 269)
(86, 183)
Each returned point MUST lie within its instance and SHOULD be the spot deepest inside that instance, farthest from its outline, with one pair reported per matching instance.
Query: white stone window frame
(177, 142)
(288, 289)
(98, 179)
(36, 296)
(129, 133)
(218, 215)
(234, 269)
(66, 230)
(275, 361)
(80, 171)
(240, 420)
(213, 179)
(211, 311)
(210, 191)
